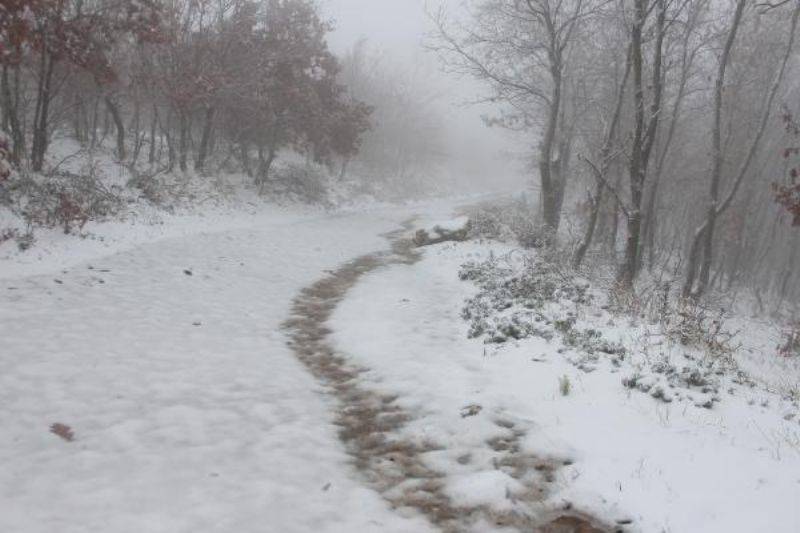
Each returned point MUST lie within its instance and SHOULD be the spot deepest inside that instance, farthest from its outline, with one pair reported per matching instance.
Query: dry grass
(63, 431)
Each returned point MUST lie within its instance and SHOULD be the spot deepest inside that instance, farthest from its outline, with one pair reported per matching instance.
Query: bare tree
(645, 128)
(703, 237)
(520, 48)
(600, 171)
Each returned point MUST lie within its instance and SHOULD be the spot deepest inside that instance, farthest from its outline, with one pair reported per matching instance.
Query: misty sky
(399, 28)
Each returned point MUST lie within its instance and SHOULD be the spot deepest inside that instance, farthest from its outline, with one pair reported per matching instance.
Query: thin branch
(599, 176)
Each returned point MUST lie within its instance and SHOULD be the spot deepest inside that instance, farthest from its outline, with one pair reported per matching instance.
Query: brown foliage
(63, 431)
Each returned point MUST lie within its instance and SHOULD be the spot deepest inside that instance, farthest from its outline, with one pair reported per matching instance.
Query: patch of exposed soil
(369, 420)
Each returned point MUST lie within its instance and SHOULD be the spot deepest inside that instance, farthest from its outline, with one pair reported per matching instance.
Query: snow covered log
(457, 230)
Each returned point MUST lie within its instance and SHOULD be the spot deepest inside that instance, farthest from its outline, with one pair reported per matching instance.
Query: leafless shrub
(652, 302)
(623, 301)
(8, 234)
(25, 240)
(699, 323)
(692, 323)
(68, 200)
(790, 343)
(152, 188)
(301, 183)
(508, 222)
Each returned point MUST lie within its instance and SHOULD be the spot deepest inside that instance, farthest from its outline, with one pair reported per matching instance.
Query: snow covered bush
(301, 183)
(537, 299)
(25, 240)
(691, 323)
(695, 380)
(151, 185)
(5, 161)
(8, 234)
(790, 344)
(511, 221)
(671, 350)
(67, 200)
(537, 282)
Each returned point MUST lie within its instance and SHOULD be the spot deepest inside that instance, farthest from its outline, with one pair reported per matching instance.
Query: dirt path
(369, 420)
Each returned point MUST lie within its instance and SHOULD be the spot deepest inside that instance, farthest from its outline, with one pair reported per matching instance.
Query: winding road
(186, 408)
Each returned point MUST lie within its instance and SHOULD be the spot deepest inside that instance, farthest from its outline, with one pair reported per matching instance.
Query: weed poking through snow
(564, 385)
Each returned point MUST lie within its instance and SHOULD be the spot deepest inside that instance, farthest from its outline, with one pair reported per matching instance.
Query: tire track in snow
(369, 419)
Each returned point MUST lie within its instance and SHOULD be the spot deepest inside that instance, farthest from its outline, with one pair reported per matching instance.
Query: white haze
(479, 157)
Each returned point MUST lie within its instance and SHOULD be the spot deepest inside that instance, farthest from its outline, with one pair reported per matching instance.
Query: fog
(478, 156)
(329, 266)
(625, 128)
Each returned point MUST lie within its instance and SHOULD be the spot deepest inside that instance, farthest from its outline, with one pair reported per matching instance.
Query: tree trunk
(6, 101)
(549, 193)
(703, 238)
(636, 171)
(649, 230)
(77, 119)
(167, 135)
(136, 126)
(183, 142)
(244, 155)
(11, 117)
(716, 151)
(264, 168)
(595, 201)
(113, 109)
(41, 116)
(95, 120)
(644, 134)
(202, 151)
(151, 156)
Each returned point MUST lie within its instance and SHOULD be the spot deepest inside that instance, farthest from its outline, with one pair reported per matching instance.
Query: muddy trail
(369, 420)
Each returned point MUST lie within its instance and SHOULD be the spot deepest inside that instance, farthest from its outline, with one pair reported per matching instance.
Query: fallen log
(423, 238)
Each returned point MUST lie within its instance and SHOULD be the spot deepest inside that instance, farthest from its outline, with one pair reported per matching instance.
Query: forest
(676, 119)
(664, 130)
(400, 265)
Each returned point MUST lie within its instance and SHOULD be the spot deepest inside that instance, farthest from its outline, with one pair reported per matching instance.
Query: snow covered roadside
(54, 251)
(187, 205)
(165, 360)
(628, 457)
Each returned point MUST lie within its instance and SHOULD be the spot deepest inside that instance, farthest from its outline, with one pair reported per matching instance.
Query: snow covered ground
(160, 349)
(191, 205)
(157, 351)
(664, 467)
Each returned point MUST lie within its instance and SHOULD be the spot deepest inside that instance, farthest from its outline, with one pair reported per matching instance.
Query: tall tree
(520, 49)
(645, 127)
(702, 241)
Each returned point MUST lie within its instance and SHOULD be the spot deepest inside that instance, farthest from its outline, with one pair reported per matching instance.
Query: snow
(761, 340)
(157, 340)
(53, 252)
(189, 412)
(666, 466)
(191, 205)
(449, 224)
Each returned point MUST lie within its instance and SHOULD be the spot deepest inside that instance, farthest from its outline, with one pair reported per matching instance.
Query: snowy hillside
(457, 266)
(294, 370)
(165, 360)
(634, 460)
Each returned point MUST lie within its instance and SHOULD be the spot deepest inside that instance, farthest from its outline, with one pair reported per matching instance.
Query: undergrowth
(685, 347)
